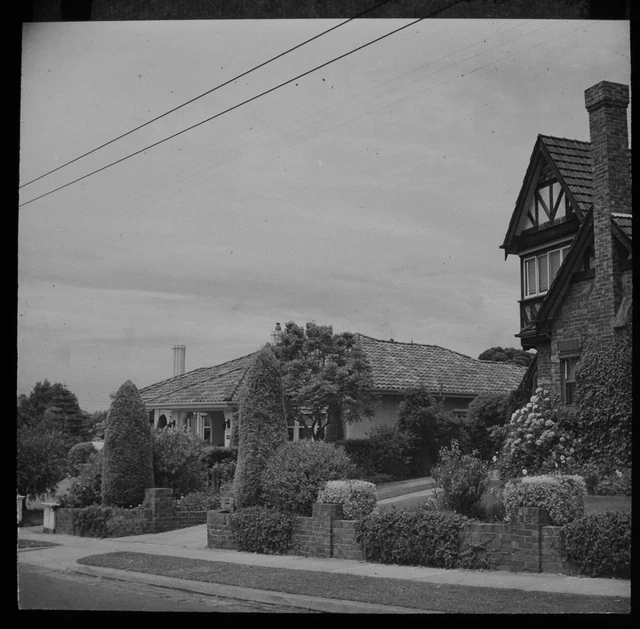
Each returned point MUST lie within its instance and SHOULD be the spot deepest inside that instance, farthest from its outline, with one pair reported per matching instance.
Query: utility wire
(282, 54)
(273, 89)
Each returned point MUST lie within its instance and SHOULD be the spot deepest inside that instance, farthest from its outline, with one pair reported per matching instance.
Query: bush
(197, 501)
(262, 530)
(600, 544)
(416, 538)
(220, 474)
(85, 489)
(262, 428)
(217, 454)
(463, 479)
(538, 439)
(78, 455)
(298, 470)
(358, 498)
(387, 452)
(179, 461)
(604, 479)
(92, 521)
(484, 412)
(561, 496)
(128, 452)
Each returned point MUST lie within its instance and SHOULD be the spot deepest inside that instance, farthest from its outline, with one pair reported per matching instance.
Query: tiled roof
(397, 366)
(207, 385)
(623, 221)
(573, 160)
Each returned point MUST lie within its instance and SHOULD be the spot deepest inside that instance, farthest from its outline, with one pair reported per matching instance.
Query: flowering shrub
(561, 496)
(85, 489)
(463, 479)
(600, 544)
(358, 498)
(537, 439)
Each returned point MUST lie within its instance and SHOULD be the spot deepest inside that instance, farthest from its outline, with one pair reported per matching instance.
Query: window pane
(569, 393)
(530, 276)
(554, 264)
(565, 251)
(543, 277)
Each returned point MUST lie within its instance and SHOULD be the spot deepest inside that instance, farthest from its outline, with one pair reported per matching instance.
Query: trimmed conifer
(262, 425)
(128, 450)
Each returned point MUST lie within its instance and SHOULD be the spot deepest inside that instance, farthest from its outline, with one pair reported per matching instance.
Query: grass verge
(380, 591)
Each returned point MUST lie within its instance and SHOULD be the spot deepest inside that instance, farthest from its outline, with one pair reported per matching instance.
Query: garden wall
(155, 515)
(525, 544)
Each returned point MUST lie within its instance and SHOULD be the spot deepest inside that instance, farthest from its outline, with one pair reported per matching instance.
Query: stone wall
(524, 544)
(155, 515)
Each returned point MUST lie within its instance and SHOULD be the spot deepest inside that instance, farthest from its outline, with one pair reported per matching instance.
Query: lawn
(380, 591)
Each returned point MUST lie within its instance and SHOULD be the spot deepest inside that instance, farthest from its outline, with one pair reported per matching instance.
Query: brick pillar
(160, 502)
(526, 538)
(322, 528)
(610, 163)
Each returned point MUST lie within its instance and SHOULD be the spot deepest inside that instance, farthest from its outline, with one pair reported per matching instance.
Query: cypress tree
(262, 425)
(128, 450)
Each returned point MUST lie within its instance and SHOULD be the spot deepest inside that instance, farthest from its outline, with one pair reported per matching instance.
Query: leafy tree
(96, 424)
(262, 426)
(41, 460)
(507, 355)
(128, 454)
(424, 418)
(326, 379)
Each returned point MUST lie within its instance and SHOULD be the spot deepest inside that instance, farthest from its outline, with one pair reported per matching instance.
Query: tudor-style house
(203, 401)
(571, 228)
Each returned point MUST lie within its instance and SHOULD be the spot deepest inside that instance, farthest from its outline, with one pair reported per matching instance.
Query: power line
(273, 89)
(193, 100)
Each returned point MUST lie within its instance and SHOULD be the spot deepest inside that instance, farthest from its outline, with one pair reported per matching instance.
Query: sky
(371, 195)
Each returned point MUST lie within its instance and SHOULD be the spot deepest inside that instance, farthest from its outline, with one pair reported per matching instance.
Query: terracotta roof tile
(207, 385)
(397, 366)
(623, 221)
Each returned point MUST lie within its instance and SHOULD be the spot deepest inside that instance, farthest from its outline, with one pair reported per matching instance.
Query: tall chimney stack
(611, 175)
(178, 359)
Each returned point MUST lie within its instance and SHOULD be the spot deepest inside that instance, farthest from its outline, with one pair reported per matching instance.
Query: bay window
(539, 271)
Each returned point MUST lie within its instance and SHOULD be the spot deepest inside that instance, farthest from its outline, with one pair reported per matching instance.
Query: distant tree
(432, 427)
(96, 424)
(507, 355)
(128, 453)
(326, 379)
(262, 426)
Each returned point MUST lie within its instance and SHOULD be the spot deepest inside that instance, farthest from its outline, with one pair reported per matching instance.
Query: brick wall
(155, 515)
(525, 544)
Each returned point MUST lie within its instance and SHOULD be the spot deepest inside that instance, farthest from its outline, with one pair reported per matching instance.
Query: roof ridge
(453, 351)
(559, 137)
(622, 214)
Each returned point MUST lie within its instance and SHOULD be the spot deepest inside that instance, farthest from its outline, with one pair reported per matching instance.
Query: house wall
(387, 414)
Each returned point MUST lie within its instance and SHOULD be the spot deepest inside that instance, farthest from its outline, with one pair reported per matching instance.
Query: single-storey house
(204, 400)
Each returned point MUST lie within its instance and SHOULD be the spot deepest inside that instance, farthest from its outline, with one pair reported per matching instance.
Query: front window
(568, 367)
(540, 271)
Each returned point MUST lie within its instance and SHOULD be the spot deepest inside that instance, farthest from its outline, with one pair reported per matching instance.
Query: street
(46, 589)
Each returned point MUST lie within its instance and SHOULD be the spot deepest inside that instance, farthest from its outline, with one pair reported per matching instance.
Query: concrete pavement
(191, 543)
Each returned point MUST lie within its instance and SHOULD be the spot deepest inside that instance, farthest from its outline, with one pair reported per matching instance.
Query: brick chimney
(610, 163)
(178, 359)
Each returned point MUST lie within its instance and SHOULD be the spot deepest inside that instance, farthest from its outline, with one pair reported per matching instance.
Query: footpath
(191, 543)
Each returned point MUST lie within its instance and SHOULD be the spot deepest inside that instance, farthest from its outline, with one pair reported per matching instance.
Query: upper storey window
(540, 270)
(549, 203)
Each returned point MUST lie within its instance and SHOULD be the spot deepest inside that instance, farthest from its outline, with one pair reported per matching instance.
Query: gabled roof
(569, 161)
(398, 366)
(207, 385)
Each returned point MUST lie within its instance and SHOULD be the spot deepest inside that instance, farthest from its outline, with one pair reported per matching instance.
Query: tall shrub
(604, 396)
(486, 411)
(128, 453)
(262, 427)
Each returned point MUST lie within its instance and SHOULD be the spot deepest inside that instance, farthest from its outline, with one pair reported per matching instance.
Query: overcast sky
(371, 195)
